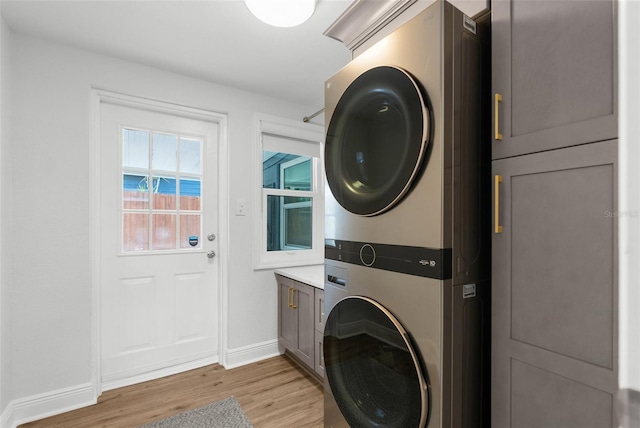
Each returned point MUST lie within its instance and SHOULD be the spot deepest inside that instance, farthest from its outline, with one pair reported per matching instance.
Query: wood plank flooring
(273, 393)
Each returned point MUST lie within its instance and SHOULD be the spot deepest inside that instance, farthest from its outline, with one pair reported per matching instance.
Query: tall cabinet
(554, 264)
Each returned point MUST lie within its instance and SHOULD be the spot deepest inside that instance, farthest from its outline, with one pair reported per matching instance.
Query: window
(289, 218)
(291, 196)
(161, 191)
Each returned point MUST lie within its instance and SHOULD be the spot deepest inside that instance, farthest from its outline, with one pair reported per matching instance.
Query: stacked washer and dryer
(407, 249)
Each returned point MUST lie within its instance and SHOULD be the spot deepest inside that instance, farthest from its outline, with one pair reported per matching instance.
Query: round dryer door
(371, 367)
(376, 140)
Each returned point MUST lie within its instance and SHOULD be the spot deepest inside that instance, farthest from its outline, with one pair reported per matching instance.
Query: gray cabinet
(296, 323)
(554, 74)
(301, 322)
(554, 293)
(554, 247)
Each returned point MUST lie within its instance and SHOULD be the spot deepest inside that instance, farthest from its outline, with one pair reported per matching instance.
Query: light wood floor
(273, 393)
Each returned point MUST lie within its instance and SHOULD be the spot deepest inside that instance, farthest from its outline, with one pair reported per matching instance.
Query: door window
(161, 191)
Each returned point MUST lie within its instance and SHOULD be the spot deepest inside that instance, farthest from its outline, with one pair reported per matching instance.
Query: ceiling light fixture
(282, 13)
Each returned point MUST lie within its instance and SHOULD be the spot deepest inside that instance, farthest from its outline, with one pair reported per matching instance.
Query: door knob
(211, 254)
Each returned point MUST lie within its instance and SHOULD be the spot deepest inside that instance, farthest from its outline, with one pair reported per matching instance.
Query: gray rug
(225, 413)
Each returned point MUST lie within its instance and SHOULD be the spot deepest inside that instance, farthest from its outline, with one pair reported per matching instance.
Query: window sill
(288, 263)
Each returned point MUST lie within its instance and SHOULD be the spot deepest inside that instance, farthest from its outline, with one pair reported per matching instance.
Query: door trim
(99, 96)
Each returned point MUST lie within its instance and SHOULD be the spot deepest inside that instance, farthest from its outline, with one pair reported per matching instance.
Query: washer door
(376, 140)
(371, 367)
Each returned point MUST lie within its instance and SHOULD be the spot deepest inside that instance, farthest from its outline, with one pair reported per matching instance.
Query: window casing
(290, 193)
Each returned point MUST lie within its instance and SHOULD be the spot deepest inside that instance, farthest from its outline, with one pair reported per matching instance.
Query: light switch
(241, 207)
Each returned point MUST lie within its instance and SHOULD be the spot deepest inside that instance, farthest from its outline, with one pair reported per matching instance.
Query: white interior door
(159, 274)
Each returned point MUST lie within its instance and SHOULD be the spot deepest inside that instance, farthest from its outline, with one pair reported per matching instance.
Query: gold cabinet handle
(497, 181)
(289, 297)
(293, 298)
(498, 135)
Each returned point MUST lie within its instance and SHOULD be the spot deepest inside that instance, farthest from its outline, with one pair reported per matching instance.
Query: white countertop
(311, 275)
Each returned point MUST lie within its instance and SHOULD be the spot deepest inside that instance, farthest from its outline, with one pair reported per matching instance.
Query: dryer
(407, 256)
(407, 137)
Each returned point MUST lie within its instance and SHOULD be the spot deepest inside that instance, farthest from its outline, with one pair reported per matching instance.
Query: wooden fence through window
(136, 224)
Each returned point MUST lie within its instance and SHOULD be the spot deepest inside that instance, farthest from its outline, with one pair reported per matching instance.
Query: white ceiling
(216, 40)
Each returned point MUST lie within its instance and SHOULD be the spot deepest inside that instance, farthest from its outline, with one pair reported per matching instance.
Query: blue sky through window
(166, 186)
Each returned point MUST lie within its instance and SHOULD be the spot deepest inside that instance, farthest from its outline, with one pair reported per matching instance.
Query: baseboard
(47, 404)
(158, 373)
(628, 408)
(250, 354)
(5, 416)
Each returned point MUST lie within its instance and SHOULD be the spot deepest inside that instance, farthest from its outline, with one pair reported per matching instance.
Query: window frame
(293, 205)
(284, 207)
(310, 136)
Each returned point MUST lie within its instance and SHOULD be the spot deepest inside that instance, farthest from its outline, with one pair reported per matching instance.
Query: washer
(407, 255)
(401, 351)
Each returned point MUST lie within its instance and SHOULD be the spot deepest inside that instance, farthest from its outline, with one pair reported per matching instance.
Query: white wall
(5, 168)
(629, 194)
(49, 285)
(2, 312)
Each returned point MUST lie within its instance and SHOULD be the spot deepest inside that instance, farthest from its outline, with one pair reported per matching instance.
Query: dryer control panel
(420, 261)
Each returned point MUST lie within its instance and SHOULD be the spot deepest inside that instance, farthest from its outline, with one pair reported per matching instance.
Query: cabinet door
(287, 316)
(304, 303)
(554, 297)
(554, 65)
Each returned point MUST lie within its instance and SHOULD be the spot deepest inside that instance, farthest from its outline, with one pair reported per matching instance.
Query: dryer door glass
(376, 140)
(371, 367)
